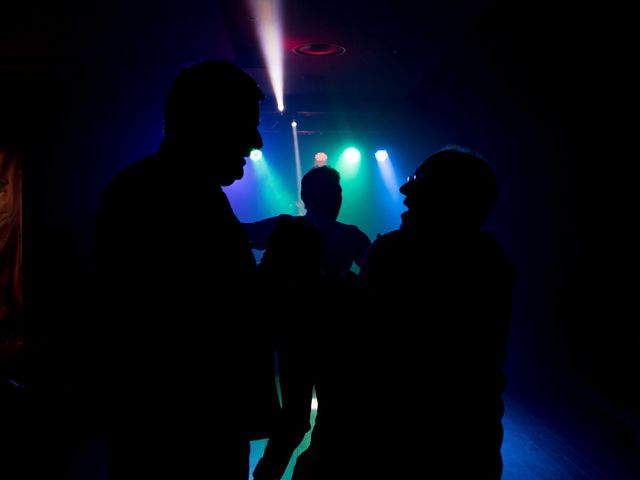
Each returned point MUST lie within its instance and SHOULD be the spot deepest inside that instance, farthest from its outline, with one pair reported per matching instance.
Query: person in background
(345, 245)
(313, 329)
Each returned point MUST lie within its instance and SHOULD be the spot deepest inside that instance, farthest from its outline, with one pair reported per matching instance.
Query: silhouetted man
(175, 265)
(444, 287)
(322, 196)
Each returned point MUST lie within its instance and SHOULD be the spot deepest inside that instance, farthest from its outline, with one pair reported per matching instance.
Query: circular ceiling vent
(319, 49)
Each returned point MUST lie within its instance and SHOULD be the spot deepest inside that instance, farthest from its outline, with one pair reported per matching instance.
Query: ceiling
(399, 55)
(393, 49)
(388, 46)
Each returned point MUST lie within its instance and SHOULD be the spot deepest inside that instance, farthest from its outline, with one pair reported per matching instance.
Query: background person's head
(321, 193)
(453, 188)
(212, 113)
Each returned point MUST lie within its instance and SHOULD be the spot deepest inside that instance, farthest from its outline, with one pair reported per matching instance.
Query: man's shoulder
(392, 237)
(352, 231)
(134, 187)
(136, 174)
(272, 221)
(397, 244)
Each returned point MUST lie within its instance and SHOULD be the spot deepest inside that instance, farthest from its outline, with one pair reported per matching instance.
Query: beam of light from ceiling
(296, 151)
(388, 175)
(268, 15)
(274, 197)
(261, 193)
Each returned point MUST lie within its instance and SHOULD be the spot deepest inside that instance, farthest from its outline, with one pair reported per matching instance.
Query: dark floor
(555, 429)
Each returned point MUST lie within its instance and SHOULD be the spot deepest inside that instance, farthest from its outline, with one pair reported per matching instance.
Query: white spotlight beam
(268, 15)
(296, 151)
(389, 177)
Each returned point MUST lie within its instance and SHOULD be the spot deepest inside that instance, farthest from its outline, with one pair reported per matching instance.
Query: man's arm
(260, 231)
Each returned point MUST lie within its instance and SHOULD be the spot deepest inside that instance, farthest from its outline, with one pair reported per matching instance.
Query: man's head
(453, 188)
(321, 193)
(212, 114)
